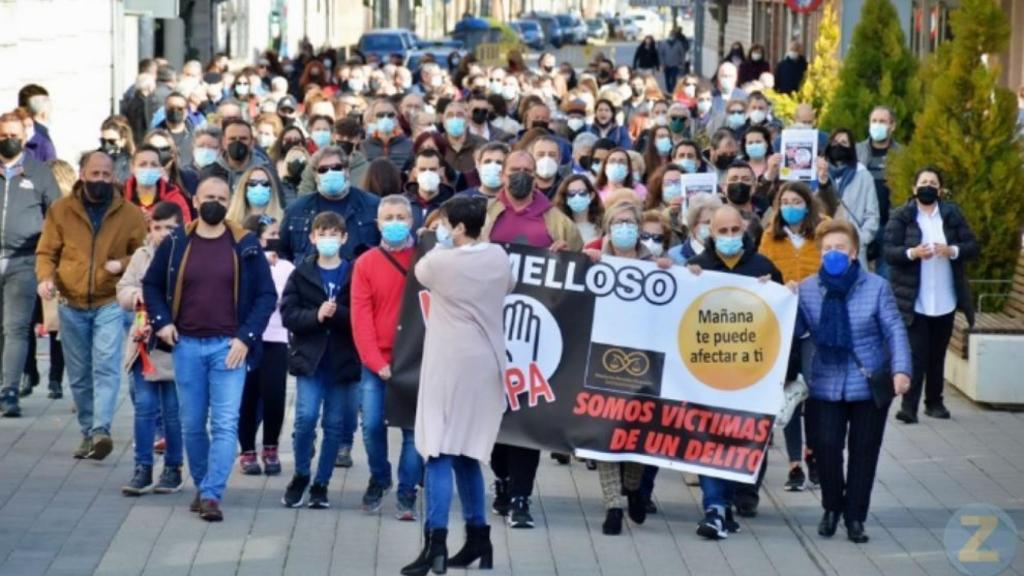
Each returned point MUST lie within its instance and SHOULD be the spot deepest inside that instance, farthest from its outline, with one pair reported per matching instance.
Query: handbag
(879, 382)
(795, 392)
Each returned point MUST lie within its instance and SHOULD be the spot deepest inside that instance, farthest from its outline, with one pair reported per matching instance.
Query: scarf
(834, 338)
(842, 176)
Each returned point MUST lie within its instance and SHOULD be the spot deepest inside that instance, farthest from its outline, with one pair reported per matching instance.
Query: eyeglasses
(175, 109)
(673, 118)
(108, 142)
(579, 192)
(331, 168)
(659, 238)
(255, 183)
(385, 115)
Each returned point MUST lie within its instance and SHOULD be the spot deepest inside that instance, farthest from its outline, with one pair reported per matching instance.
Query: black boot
(433, 557)
(478, 545)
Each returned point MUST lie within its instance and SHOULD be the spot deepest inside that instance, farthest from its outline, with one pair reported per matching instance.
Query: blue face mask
(757, 150)
(490, 175)
(794, 215)
(878, 131)
(444, 237)
(736, 119)
(689, 165)
(334, 183)
(664, 145)
(672, 191)
(625, 235)
(385, 125)
(729, 245)
(147, 176)
(703, 233)
(617, 173)
(455, 126)
(395, 232)
(328, 247)
(321, 138)
(258, 196)
(835, 263)
(579, 204)
(204, 156)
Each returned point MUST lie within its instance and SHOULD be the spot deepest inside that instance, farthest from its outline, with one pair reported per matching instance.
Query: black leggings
(264, 396)
(56, 358)
(517, 465)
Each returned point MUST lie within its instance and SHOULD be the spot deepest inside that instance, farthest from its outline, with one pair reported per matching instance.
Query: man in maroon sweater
(378, 281)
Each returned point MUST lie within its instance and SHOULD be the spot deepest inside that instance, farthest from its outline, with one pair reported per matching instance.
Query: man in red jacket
(378, 281)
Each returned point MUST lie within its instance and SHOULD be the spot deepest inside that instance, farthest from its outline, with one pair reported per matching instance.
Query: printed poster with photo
(799, 154)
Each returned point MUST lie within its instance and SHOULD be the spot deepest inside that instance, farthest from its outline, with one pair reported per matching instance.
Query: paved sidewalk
(63, 516)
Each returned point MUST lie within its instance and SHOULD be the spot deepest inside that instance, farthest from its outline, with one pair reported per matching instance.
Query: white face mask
(546, 167)
(690, 90)
(428, 181)
(655, 248)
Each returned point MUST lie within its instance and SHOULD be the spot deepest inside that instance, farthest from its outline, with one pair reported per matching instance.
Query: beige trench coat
(461, 396)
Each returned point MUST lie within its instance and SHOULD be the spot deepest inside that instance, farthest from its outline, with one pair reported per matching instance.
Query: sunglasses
(331, 168)
(109, 142)
(255, 183)
(659, 238)
(573, 193)
(386, 115)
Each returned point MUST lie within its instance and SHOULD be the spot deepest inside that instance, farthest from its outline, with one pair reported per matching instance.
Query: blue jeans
(93, 350)
(151, 400)
(340, 412)
(209, 393)
(470, 482)
(717, 493)
(17, 303)
(375, 438)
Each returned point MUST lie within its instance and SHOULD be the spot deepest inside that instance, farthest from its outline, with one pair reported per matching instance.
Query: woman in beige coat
(461, 396)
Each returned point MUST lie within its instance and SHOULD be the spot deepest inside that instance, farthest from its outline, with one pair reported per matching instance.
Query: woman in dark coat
(928, 244)
(646, 56)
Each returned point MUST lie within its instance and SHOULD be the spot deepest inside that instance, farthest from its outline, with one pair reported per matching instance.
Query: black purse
(880, 382)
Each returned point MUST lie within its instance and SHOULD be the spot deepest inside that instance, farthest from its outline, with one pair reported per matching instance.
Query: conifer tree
(822, 78)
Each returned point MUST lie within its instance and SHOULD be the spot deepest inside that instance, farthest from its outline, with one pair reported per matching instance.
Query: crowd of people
(236, 225)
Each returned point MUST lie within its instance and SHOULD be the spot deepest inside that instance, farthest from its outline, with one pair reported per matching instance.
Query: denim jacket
(879, 337)
(357, 208)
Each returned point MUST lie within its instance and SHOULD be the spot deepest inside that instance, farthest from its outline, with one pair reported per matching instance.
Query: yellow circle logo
(729, 338)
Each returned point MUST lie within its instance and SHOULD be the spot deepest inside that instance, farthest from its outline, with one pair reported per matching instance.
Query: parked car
(597, 29)
(384, 42)
(549, 24)
(624, 29)
(442, 51)
(574, 31)
(530, 33)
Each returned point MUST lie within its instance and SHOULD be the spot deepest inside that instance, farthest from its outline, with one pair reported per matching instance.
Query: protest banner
(622, 361)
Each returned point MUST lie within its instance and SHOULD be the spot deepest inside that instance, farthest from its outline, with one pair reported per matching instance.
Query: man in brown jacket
(88, 239)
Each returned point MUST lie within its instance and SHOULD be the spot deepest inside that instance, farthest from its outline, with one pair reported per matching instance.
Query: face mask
(147, 176)
(672, 191)
(677, 125)
(428, 182)
(792, 55)
(509, 92)
(321, 138)
(490, 175)
(703, 233)
(625, 235)
(655, 248)
(727, 84)
(724, 160)
(479, 116)
(385, 125)
(436, 81)
(756, 56)
(663, 145)
(258, 196)
(595, 167)
(841, 155)
(238, 151)
(575, 123)
(204, 156)
(758, 116)
(617, 173)
(927, 195)
(729, 245)
(444, 237)
(110, 149)
(757, 150)
(689, 165)
(520, 185)
(579, 204)
(456, 127)
(272, 245)
(704, 106)
(636, 90)
(690, 90)
(736, 119)
(547, 167)
(328, 247)
(295, 168)
(395, 232)
(334, 184)
(242, 90)
(176, 116)
(540, 124)
(356, 85)
(495, 87)
(794, 215)
(878, 131)
(99, 192)
(212, 212)
(738, 193)
(835, 263)
(10, 147)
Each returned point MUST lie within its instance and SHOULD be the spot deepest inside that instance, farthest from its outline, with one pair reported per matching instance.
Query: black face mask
(99, 192)
(542, 125)
(212, 212)
(586, 161)
(520, 185)
(286, 120)
(238, 150)
(479, 116)
(273, 245)
(841, 155)
(165, 156)
(110, 149)
(295, 168)
(724, 160)
(175, 116)
(738, 193)
(927, 195)
(348, 147)
(10, 147)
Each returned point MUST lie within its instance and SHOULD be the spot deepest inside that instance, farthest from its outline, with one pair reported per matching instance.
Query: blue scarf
(834, 338)
(842, 176)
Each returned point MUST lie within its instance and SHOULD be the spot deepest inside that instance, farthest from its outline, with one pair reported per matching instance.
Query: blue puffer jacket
(256, 297)
(879, 336)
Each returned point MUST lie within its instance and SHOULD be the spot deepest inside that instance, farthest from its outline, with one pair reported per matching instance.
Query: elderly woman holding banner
(862, 359)
(461, 396)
